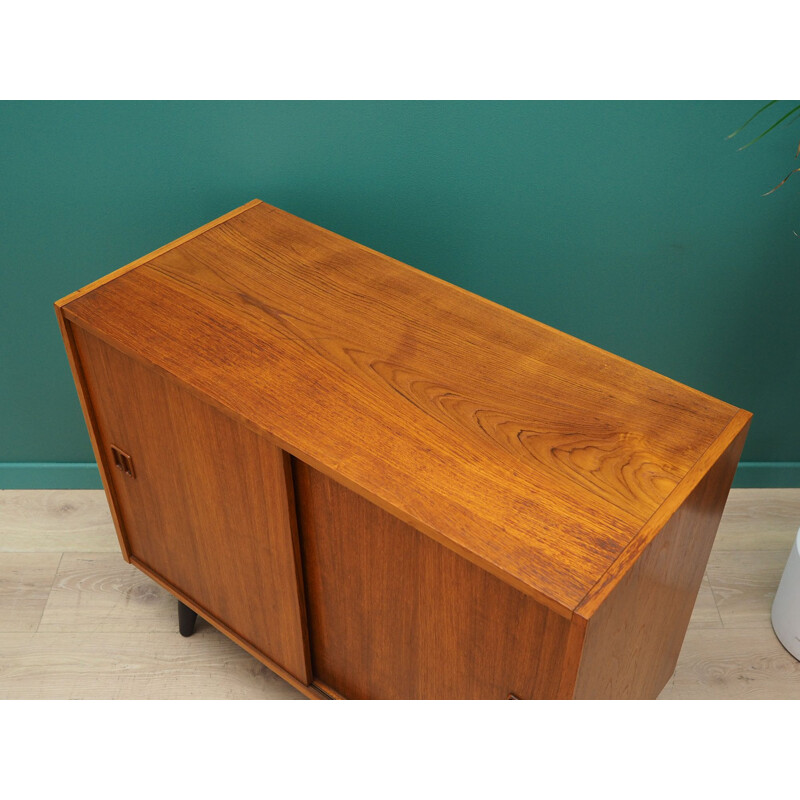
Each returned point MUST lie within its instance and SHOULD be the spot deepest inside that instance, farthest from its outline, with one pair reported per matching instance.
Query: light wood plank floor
(76, 621)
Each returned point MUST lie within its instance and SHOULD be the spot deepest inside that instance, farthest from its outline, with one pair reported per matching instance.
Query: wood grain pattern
(744, 585)
(759, 519)
(116, 666)
(222, 537)
(394, 615)
(634, 637)
(101, 453)
(150, 256)
(100, 592)
(738, 664)
(25, 581)
(705, 614)
(533, 455)
(731, 440)
(55, 520)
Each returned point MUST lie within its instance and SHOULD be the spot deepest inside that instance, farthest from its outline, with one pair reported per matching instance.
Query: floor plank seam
(714, 598)
(49, 593)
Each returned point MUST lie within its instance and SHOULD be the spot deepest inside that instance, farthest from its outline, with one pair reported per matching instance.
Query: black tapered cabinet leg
(186, 619)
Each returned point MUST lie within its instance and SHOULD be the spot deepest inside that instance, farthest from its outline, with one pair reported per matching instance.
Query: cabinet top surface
(529, 451)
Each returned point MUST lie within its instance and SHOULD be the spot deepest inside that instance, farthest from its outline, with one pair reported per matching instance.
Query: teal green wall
(632, 225)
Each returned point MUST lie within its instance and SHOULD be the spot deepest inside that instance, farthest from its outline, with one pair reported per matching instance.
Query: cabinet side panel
(207, 504)
(634, 638)
(395, 615)
(91, 424)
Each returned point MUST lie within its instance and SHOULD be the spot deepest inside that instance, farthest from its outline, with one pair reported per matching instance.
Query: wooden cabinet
(383, 486)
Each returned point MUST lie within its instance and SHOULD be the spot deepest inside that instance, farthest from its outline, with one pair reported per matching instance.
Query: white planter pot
(786, 607)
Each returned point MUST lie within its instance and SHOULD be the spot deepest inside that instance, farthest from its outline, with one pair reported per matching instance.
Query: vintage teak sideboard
(384, 486)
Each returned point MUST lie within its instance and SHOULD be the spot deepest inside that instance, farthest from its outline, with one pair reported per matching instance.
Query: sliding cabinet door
(204, 503)
(393, 614)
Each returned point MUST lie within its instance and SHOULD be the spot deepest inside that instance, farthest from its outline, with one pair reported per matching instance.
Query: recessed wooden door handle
(122, 461)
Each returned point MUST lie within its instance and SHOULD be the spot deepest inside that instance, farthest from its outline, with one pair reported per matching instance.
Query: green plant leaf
(772, 127)
(763, 108)
(782, 182)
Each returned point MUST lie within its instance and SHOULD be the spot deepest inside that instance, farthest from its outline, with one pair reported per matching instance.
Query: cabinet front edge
(85, 398)
(737, 426)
